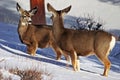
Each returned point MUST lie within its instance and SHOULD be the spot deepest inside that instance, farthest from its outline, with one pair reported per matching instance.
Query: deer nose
(29, 19)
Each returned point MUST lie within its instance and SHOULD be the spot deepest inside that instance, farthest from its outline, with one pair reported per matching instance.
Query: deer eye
(24, 16)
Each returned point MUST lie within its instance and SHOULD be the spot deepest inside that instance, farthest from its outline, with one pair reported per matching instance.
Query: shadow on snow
(114, 2)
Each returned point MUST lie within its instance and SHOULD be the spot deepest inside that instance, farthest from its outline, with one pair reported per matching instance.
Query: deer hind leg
(104, 59)
(58, 54)
(67, 57)
(57, 51)
(107, 65)
(73, 56)
(65, 53)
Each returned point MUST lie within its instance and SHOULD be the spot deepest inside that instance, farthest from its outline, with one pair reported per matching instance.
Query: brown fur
(35, 36)
(80, 42)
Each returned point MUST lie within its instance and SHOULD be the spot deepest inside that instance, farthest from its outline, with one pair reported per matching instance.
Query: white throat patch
(24, 24)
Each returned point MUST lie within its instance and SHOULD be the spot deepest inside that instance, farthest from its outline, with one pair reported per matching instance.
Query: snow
(13, 52)
(6, 75)
(107, 12)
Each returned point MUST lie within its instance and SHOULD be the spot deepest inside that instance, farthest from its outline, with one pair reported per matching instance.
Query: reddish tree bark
(39, 17)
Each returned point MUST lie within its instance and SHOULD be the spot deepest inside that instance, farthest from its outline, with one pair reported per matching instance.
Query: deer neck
(58, 28)
(22, 27)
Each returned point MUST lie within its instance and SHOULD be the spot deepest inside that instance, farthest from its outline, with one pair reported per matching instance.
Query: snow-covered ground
(13, 52)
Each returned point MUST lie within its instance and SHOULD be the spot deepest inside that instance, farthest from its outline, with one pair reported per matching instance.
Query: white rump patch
(112, 43)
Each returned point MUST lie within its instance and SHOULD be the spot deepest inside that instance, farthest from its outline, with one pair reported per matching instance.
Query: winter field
(13, 53)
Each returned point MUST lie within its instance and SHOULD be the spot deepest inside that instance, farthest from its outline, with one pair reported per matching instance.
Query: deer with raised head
(35, 36)
(81, 42)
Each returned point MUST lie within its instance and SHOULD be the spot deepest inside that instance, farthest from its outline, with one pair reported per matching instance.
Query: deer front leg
(31, 49)
(73, 56)
(78, 64)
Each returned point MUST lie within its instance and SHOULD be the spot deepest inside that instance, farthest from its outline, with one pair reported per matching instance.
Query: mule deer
(81, 42)
(35, 36)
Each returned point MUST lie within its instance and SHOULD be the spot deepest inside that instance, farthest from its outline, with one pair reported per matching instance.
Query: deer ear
(18, 7)
(51, 9)
(66, 10)
(33, 11)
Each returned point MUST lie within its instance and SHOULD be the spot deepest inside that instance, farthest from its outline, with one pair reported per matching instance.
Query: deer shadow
(115, 64)
(114, 2)
(47, 60)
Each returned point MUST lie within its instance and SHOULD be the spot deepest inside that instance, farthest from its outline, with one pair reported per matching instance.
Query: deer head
(25, 16)
(57, 19)
(57, 13)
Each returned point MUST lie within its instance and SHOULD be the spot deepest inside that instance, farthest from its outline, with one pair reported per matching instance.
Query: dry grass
(35, 71)
(30, 74)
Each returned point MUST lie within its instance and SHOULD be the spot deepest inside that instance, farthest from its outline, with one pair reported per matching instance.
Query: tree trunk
(39, 17)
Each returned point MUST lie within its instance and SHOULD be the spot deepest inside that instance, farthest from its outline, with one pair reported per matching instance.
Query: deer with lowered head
(81, 42)
(35, 36)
